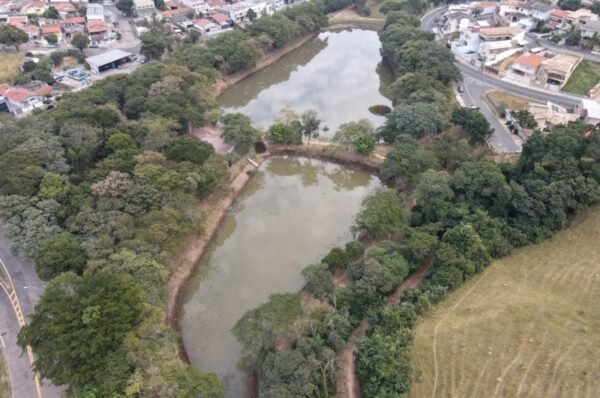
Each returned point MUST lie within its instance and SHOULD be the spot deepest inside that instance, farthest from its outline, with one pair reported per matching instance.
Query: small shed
(108, 60)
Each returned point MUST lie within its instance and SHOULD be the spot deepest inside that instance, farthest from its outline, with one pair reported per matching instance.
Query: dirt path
(413, 281)
(228, 81)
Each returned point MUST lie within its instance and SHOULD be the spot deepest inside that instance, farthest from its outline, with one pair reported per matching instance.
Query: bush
(189, 150)
(337, 258)
(355, 249)
(318, 281)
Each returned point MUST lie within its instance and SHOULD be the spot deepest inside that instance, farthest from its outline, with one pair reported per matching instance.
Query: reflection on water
(337, 74)
(291, 213)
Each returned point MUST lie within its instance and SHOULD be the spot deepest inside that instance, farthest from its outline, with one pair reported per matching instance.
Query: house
(589, 111)
(177, 13)
(581, 17)
(484, 8)
(200, 7)
(33, 31)
(223, 20)
(95, 12)
(556, 71)
(238, 11)
(590, 28)
(549, 115)
(52, 29)
(18, 21)
(468, 41)
(205, 26)
(457, 21)
(526, 67)
(143, 4)
(540, 11)
(558, 19)
(513, 10)
(21, 100)
(501, 33)
(36, 7)
(65, 10)
(96, 30)
(74, 25)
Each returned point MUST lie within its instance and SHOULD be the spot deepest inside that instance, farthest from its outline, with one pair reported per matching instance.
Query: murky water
(338, 74)
(291, 213)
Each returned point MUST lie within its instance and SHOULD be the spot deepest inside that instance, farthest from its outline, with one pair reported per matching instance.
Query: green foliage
(355, 249)
(12, 36)
(81, 41)
(286, 134)
(189, 150)
(473, 123)
(78, 327)
(570, 5)
(416, 120)
(258, 329)
(51, 39)
(383, 214)
(238, 131)
(405, 162)
(153, 44)
(59, 253)
(337, 258)
(318, 281)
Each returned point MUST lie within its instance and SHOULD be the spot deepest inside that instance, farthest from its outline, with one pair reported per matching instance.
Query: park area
(583, 78)
(528, 326)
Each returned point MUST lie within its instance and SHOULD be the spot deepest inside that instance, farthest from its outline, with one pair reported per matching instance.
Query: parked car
(461, 89)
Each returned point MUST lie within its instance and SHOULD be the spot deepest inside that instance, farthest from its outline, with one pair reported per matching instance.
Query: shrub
(337, 258)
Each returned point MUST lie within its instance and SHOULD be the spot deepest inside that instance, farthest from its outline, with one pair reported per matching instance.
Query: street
(29, 288)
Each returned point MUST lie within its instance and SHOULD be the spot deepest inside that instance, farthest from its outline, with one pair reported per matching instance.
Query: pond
(291, 213)
(338, 74)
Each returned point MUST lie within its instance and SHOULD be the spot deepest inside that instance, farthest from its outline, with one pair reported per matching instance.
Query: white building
(589, 111)
(526, 67)
(95, 12)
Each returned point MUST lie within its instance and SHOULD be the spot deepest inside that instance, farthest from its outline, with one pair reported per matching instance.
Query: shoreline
(216, 208)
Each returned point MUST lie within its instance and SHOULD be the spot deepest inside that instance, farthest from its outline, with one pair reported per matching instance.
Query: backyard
(528, 326)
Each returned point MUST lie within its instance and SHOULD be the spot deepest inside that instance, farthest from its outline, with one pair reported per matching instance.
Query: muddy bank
(228, 81)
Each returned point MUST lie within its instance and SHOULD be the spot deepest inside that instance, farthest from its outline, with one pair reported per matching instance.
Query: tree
(358, 134)
(77, 330)
(153, 45)
(310, 124)
(59, 253)
(258, 329)
(51, 13)
(238, 131)
(405, 162)
(12, 36)
(416, 120)
(53, 186)
(569, 5)
(51, 39)
(382, 214)
(596, 8)
(80, 41)
(318, 281)
(126, 7)
(473, 123)
(434, 195)
(251, 14)
(189, 150)
(573, 38)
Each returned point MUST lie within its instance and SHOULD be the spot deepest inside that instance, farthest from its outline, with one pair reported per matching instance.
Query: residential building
(36, 7)
(457, 21)
(581, 17)
(177, 13)
(556, 71)
(540, 11)
(501, 33)
(21, 100)
(33, 31)
(558, 19)
(200, 7)
(484, 8)
(549, 115)
(589, 111)
(74, 25)
(95, 12)
(468, 42)
(97, 31)
(526, 67)
(65, 10)
(206, 26)
(52, 29)
(590, 28)
(223, 20)
(18, 21)
(143, 4)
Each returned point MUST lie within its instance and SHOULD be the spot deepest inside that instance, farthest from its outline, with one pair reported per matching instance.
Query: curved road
(28, 288)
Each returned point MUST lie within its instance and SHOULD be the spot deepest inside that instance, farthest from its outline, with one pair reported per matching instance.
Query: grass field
(4, 381)
(528, 326)
(9, 65)
(583, 78)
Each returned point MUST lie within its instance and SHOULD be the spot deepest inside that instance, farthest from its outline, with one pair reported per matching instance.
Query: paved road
(29, 288)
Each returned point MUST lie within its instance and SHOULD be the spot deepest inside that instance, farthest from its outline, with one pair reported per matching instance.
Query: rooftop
(96, 26)
(541, 7)
(21, 93)
(500, 31)
(562, 63)
(51, 29)
(220, 18)
(558, 13)
(77, 20)
(203, 22)
(107, 57)
(591, 107)
(530, 60)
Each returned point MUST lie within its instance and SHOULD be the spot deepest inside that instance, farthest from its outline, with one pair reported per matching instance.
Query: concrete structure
(206, 26)
(21, 100)
(557, 70)
(108, 60)
(223, 20)
(65, 10)
(589, 111)
(541, 11)
(526, 67)
(74, 25)
(589, 29)
(95, 12)
(143, 4)
(558, 19)
(549, 115)
(97, 31)
(501, 33)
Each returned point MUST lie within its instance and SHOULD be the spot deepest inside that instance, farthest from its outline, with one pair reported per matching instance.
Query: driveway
(29, 288)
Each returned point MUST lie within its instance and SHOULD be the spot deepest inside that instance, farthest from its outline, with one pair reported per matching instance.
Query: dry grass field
(9, 65)
(528, 326)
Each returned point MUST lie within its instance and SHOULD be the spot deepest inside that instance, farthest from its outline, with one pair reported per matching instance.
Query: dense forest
(448, 210)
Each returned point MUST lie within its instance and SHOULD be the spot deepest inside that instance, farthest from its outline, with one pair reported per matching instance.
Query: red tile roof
(558, 13)
(31, 28)
(3, 88)
(530, 60)
(64, 7)
(202, 22)
(77, 20)
(96, 26)
(19, 94)
(53, 29)
(18, 20)
(220, 18)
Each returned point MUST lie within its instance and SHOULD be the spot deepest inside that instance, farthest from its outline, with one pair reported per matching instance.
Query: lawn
(528, 326)
(583, 78)
(9, 65)
(509, 100)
